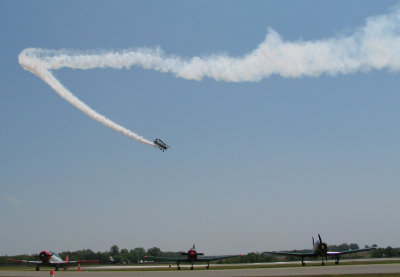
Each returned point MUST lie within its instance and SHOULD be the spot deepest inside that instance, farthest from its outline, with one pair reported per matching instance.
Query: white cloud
(13, 201)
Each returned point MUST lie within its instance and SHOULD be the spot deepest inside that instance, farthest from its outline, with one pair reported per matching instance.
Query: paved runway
(312, 270)
(213, 266)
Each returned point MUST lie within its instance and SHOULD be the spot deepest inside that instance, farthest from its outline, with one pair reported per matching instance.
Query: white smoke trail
(374, 46)
(37, 67)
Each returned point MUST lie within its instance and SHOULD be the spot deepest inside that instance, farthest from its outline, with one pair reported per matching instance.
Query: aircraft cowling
(44, 256)
(322, 248)
(192, 255)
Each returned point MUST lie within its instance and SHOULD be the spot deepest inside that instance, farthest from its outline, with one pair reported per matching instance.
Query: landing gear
(191, 268)
(177, 265)
(208, 265)
(337, 260)
(322, 262)
(37, 268)
(302, 261)
(57, 267)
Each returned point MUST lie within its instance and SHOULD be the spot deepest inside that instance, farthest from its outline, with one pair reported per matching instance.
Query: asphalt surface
(288, 271)
(213, 266)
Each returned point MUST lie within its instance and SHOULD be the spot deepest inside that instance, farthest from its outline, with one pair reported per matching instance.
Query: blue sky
(253, 166)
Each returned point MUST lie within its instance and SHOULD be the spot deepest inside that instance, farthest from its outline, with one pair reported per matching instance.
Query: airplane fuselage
(192, 255)
(320, 249)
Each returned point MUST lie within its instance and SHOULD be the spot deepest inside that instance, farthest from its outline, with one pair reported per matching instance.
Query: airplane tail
(66, 258)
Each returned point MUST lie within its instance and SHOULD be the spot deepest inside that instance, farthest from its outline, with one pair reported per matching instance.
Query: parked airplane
(160, 144)
(53, 260)
(320, 249)
(192, 256)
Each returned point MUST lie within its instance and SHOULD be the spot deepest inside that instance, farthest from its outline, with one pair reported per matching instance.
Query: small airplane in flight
(160, 144)
(51, 259)
(320, 249)
(192, 256)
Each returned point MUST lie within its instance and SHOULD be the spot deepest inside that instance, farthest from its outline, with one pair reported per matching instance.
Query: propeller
(44, 256)
(313, 242)
(322, 245)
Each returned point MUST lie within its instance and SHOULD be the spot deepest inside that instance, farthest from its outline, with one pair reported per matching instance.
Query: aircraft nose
(44, 256)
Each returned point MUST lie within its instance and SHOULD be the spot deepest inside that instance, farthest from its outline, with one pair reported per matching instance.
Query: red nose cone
(44, 256)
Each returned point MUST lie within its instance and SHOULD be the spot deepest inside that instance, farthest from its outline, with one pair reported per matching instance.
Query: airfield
(281, 269)
(287, 271)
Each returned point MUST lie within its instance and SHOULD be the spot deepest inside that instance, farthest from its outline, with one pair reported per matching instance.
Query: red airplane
(192, 256)
(51, 259)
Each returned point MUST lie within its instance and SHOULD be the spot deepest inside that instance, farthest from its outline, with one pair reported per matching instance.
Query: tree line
(135, 256)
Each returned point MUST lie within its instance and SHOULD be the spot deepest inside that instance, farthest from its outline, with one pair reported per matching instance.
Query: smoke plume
(374, 46)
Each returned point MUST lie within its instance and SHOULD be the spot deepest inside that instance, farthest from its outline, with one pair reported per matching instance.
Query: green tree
(137, 254)
(114, 250)
(124, 255)
(354, 246)
(103, 257)
(154, 251)
(389, 252)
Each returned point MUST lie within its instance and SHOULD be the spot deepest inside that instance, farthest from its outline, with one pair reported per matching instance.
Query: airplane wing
(160, 144)
(177, 259)
(214, 258)
(297, 254)
(53, 263)
(349, 251)
(80, 262)
(25, 261)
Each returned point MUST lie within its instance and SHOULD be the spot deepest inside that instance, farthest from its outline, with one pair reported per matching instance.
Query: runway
(287, 271)
(214, 266)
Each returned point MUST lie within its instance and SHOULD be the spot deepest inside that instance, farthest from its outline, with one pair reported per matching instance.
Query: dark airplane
(191, 256)
(320, 249)
(160, 144)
